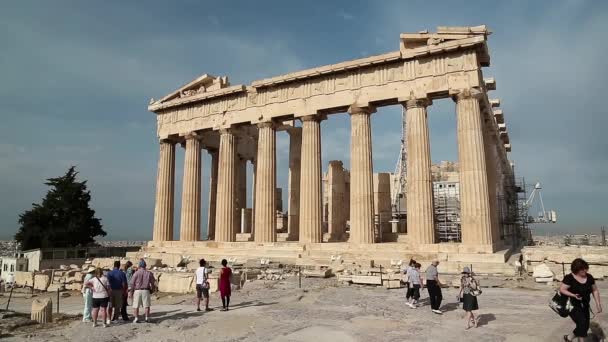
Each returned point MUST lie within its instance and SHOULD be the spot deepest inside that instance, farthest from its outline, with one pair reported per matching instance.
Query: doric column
(293, 209)
(212, 194)
(241, 188)
(474, 196)
(310, 181)
(361, 176)
(253, 177)
(165, 186)
(490, 154)
(226, 188)
(266, 183)
(420, 216)
(190, 224)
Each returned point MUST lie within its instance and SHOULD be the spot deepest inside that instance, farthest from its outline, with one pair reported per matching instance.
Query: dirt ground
(322, 310)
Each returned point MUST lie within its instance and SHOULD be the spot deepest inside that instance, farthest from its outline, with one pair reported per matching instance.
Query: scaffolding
(447, 211)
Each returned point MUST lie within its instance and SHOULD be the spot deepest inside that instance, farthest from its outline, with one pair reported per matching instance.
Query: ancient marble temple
(238, 124)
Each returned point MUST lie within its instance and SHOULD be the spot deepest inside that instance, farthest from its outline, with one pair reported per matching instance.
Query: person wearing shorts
(101, 296)
(202, 286)
(118, 284)
(142, 284)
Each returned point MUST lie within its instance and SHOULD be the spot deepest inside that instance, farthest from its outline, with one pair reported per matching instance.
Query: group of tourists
(469, 290)
(578, 287)
(202, 285)
(107, 292)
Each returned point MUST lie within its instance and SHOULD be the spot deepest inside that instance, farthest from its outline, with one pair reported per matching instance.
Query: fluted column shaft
(310, 181)
(420, 214)
(226, 188)
(212, 194)
(165, 187)
(490, 153)
(265, 217)
(293, 209)
(190, 224)
(474, 196)
(361, 177)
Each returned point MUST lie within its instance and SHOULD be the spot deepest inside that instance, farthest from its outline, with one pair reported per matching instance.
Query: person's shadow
(484, 319)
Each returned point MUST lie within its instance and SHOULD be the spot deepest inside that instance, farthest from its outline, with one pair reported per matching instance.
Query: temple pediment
(202, 84)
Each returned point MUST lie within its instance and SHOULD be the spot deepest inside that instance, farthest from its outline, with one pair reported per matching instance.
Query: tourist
(468, 288)
(142, 285)
(128, 270)
(87, 294)
(100, 286)
(433, 285)
(225, 274)
(408, 292)
(579, 286)
(202, 285)
(415, 282)
(118, 283)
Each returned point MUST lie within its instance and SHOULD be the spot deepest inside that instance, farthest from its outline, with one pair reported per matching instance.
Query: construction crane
(544, 216)
(400, 175)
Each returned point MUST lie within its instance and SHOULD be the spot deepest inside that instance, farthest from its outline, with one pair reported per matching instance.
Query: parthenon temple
(337, 212)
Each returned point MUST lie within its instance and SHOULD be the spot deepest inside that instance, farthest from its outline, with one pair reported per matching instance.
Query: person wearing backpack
(100, 286)
(579, 286)
(469, 290)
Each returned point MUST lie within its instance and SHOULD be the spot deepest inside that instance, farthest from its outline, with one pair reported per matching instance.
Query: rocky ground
(322, 310)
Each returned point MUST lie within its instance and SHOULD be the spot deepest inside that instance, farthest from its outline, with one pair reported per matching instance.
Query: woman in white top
(101, 296)
(415, 283)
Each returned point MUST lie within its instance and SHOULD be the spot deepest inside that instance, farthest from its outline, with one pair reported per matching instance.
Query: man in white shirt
(202, 285)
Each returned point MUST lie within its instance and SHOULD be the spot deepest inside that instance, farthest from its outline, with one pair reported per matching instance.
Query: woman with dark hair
(469, 287)
(225, 274)
(579, 286)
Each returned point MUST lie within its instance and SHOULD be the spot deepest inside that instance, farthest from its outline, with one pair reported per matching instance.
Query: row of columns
(227, 189)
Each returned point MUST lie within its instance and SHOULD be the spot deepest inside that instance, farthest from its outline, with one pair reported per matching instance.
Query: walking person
(202, 285)
(580, 286)
(469, 289)
(128, 271)
(142, 285)
(87, 295)
(101, 296)
(118, 284)
(408, 292)
(225, 291)
(433, 285)
(415, 283)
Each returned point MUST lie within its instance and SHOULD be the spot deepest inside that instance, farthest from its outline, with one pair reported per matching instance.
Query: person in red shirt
(225, 274)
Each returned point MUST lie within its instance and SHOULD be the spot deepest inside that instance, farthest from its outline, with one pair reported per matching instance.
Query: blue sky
(76, 77)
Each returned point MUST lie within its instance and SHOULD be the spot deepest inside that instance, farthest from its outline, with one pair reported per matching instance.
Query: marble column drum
(310, 181)
(165, 186)
(420, 214)
(265, 219)
(190, 224)
(293, 205)
(361, 177)
(474, 196)
(226, 188)
(213, 153)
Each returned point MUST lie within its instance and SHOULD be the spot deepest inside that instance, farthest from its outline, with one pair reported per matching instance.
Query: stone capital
(224, 131)
(297, 131)
(417, 103)
(316, 117)
(467, 93)
(169, 141)
(355, 109)
(192, 135)
(266, 124)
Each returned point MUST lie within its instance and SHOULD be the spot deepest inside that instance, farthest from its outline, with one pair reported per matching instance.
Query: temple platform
(452, 256)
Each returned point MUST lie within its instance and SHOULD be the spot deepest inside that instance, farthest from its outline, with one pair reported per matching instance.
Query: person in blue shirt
(118, 284)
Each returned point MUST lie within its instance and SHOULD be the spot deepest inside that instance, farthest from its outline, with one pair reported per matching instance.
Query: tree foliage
(63, 219)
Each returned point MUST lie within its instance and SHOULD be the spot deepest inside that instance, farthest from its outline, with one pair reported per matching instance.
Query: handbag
(476, 291)
(560, 304)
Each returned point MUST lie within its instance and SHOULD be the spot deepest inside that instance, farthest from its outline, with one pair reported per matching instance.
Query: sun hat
(466, 269)
(142, 263)
(91, 269)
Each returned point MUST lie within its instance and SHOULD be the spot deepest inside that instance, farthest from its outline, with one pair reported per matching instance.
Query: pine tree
(63, 219)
